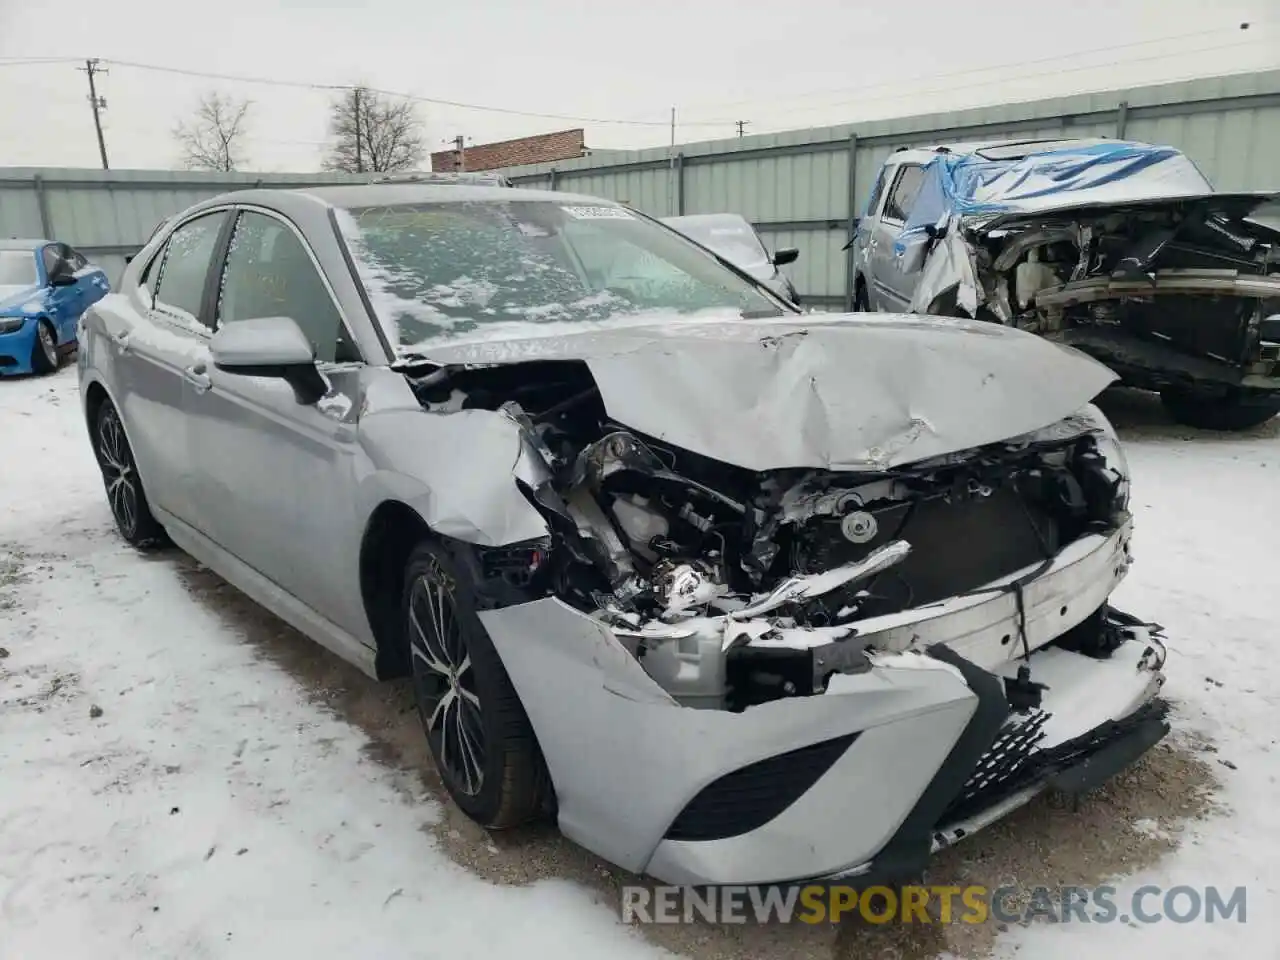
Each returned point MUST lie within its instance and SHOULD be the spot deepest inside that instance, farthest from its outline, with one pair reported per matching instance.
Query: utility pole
(459, 144)
(671, 174)
(98, 104)
(359, 153)
(742, 126)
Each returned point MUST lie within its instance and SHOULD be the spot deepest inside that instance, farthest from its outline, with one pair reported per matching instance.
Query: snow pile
(165, 794)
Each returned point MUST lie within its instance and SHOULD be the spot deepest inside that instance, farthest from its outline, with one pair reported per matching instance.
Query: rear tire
(1232, 412)
(44, 351)
(125, 495)
(479, 735)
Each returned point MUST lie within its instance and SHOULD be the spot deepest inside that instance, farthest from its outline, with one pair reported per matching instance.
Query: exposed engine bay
(1175, 293)
(735, 587)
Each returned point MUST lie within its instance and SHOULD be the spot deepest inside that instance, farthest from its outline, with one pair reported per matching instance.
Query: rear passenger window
(904, 194)
(187, 256)
(77, 260)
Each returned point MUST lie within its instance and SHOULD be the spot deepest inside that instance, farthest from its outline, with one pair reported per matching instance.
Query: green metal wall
(109, 214)
(796, 186)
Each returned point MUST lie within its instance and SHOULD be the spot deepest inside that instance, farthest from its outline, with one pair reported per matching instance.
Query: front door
(66, 301)
(276, 478)
(892, 285)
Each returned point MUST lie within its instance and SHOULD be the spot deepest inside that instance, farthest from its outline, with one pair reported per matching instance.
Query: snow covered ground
(172, 785)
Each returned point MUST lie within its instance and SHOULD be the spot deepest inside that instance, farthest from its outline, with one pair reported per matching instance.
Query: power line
(34, 61)
(1005, 66)
(1004, 80)
(435, 101)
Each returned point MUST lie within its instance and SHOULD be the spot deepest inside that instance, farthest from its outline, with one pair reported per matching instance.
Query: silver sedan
(735, 596)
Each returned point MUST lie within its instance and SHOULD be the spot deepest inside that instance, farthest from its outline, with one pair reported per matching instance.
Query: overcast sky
(779, 65)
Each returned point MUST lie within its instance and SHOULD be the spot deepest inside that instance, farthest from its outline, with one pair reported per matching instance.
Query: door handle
(197, 377)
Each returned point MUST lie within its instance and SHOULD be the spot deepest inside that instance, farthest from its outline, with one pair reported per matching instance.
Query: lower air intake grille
(748, 798)
(999, 765)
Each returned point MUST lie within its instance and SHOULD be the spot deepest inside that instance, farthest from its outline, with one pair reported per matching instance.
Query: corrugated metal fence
(804, 188)
(109, 214)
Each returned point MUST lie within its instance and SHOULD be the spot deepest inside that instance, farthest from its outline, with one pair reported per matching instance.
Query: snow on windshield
(472, 269)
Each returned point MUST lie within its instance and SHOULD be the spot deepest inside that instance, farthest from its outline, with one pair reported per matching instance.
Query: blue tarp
(968, 184)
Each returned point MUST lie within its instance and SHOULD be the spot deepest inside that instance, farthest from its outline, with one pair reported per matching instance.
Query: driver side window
(269, 273)
(905, 191)
(49, 257)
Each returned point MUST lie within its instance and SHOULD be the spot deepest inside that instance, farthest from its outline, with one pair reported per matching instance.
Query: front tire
(861, 302)
(477, 730)
(1231, 413)
(44, 351)
(125, 495)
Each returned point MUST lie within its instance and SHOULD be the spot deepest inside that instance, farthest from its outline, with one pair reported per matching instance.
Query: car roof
(995, 150)
(708, 219)
(17, 243)
(395, 194)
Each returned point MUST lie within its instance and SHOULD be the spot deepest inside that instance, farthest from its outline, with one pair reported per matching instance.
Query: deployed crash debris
(1120, 249)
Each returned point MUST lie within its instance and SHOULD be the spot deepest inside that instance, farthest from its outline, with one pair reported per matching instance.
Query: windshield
(17, 268)
(443, 270)
(731, 237)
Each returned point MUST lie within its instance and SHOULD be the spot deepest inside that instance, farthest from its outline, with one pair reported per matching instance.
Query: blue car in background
(44, 288)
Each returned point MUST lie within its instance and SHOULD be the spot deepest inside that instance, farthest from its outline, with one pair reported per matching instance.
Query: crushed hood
(840, 392)
(1255, 212)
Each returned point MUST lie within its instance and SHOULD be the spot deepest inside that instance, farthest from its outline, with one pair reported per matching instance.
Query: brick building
(561, 145)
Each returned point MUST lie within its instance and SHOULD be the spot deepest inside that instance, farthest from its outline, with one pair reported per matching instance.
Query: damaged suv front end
(1122, 250)
(786, 600)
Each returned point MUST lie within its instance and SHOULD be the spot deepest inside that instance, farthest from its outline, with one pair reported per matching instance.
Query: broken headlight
(1109, 448)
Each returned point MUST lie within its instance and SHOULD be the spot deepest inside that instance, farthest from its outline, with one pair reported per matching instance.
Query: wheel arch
(95, 395)
(392, 531)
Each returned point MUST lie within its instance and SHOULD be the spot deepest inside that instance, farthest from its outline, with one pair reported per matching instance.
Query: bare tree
(373, 133)
(212, 138)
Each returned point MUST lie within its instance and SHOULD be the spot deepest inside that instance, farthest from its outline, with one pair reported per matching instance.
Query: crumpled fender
(458, 471)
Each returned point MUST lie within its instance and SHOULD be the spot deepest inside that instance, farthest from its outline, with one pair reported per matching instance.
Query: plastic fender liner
(907, 853)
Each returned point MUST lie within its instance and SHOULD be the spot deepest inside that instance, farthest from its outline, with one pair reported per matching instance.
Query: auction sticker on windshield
(598, 213)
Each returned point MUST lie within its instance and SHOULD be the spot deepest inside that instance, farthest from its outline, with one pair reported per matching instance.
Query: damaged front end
(688, 628)
(1180, 294)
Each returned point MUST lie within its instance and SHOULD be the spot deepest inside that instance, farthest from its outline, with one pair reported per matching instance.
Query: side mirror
(62, 275)
(270, 347)
(784, 256)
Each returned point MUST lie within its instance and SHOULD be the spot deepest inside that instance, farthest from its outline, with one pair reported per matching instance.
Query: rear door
(155, 336)
(275, 478)
(891, 286)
